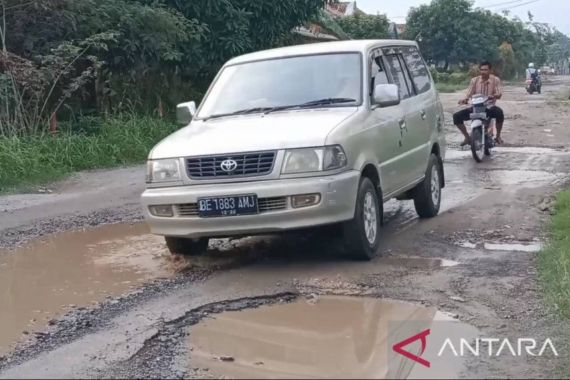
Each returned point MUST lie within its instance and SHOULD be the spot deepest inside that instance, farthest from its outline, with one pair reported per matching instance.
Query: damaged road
(87, 292)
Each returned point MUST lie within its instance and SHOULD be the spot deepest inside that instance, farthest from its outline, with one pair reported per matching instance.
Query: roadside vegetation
(65, 64)
(35, 159)
(554, 261)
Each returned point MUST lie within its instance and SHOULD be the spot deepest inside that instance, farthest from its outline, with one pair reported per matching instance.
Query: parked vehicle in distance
(298, 137)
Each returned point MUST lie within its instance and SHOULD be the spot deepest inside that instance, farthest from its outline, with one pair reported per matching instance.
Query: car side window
(418, 69)
(378, 73)
(398, 75)
(407, 76)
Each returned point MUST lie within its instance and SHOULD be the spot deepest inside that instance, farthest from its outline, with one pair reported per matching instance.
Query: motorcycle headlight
(163, 171)
(309, 160)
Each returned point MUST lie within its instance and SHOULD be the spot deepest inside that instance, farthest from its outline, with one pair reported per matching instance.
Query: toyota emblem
(228, 165)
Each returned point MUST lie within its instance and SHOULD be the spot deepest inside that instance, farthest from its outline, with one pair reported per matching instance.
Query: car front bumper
(337, 203)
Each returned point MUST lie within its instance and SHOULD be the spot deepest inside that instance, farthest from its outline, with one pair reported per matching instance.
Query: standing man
(485, 84)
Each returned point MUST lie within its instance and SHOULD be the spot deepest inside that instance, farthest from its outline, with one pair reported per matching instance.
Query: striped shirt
(489, 87)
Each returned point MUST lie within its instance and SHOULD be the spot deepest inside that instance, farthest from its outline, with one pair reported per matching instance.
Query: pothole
(515, 177)
(509, 246)
(332, 337)
(514, 247)
(418, 262)
(48, 276)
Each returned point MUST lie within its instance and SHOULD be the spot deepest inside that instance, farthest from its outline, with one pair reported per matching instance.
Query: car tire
(427, 195)
(361, 235)
(186, 247)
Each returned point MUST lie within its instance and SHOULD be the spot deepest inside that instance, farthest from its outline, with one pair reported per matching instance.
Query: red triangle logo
(399, 348)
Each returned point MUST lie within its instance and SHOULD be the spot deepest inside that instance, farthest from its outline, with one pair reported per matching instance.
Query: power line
(520, 5)
(501, 4)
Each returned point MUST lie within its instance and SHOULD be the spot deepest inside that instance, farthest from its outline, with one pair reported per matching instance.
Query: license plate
(227, 206)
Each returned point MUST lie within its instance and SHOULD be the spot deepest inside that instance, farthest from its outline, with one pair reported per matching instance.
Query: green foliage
(451, 32)
(459, 78)
(333, 25)
(506, 65)
(123, 140)
(116, 55)
(362, 26)
(554, 262)
(444, 87)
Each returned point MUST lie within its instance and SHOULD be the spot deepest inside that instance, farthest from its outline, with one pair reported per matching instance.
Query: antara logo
(491, 347)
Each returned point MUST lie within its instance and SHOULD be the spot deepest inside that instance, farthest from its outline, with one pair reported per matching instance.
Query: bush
(473, 71)
(459, 78)
(443, 77)
(38, 159)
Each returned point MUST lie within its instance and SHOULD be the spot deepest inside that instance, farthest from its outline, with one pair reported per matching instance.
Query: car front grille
(265, 205)
(246, 165)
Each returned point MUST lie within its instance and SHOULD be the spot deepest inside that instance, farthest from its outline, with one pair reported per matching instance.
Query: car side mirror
(185, 112)
(386, 95)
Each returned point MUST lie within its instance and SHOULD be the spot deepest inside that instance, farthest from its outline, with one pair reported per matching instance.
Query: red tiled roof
(338, 7)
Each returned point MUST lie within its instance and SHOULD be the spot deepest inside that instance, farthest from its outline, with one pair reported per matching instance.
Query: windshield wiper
(312, 103)
(240, 112)
(266, 110)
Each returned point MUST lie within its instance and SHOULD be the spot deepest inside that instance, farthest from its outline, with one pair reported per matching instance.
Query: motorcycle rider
(530, 71)
(533, 75)
(485, 84)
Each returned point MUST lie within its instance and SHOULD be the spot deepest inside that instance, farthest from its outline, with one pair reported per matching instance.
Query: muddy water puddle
(412, 262)
(514, 247)
(330, 337)
(43, 279)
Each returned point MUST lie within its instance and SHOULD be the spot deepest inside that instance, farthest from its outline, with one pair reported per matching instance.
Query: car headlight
(163, 171)
(309, 160)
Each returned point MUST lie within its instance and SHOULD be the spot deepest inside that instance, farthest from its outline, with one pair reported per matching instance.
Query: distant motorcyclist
(485, 84)
(530, 71)
(533, 78)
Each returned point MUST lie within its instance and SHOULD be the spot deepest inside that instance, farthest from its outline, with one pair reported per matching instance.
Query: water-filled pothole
(326, 337)
(44, 278)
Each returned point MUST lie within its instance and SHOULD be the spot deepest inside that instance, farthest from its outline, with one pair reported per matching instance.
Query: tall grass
(444, 87)
(36, 159)
(554, 261)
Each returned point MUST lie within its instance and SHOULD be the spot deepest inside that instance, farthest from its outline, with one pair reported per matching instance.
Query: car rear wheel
(362, 234)
(186, 247)
(427, 195)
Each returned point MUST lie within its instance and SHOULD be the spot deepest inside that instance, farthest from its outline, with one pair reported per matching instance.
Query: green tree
(363, 26)
(450, 32)
(141, 53)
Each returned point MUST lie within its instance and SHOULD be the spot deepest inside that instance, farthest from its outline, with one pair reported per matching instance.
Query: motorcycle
(533, 84)
(482, 139)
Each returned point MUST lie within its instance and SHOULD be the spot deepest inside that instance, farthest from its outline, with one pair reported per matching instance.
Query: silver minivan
(299, 137)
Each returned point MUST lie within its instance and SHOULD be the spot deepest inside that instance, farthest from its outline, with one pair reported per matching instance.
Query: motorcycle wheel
(477, 146)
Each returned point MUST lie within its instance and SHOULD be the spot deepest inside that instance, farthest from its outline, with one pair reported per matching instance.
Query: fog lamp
(305, 200)
(161, 210)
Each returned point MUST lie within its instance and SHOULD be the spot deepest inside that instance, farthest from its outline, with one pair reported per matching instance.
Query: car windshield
(303, 81)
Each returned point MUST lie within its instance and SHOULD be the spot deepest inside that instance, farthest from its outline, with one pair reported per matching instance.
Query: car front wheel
(362, 234)
(427, 195)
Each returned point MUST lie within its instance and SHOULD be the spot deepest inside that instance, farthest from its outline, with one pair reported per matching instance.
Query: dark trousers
(493, 112)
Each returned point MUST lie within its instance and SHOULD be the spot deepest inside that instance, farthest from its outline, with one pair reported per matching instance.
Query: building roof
(361, 46)
(343, 8)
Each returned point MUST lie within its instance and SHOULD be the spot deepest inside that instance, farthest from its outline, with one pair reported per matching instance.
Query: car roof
(361, 46)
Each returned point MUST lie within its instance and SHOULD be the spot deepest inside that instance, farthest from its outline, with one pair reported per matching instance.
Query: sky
(554, 12)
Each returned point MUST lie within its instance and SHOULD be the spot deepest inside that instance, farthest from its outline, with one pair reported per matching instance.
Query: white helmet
(531, 65)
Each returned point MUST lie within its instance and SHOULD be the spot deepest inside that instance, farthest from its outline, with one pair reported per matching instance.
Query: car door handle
(423, 114)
